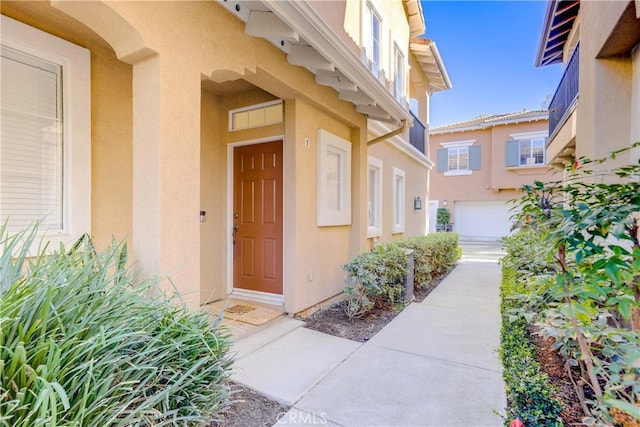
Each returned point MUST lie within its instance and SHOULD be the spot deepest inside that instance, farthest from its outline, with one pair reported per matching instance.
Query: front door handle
(234, 231)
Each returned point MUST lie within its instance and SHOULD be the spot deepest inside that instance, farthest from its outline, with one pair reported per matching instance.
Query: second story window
(526, 149)
(458, 159)
(398, 74)
(532, 152)
(372, 39)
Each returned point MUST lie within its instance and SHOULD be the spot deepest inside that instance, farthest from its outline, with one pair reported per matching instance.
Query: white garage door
(482, 220)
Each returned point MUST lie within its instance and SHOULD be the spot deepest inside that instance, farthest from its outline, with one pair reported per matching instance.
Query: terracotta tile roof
(490, 120)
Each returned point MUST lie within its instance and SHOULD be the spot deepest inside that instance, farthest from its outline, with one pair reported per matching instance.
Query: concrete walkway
(435, 364)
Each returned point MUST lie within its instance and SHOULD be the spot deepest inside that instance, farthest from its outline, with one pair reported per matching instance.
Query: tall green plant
(592, 302)
(81, 345)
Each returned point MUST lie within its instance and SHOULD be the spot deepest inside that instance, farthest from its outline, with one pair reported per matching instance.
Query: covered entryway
(257, 217)
(482, 220)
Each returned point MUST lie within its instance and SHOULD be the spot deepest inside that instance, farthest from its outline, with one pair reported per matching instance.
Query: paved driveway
(481, 250)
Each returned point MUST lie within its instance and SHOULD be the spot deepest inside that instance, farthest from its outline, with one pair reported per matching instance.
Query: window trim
(368, 42)
(76, 111)
(326, 216)
(459, 144)
(375, 230)
(399, 211)
(529, 137)
(399, 74)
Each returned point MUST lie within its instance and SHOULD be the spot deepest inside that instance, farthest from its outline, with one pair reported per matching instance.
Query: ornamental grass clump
(82, 345)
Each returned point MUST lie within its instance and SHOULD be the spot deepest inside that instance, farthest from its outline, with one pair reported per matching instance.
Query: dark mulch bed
(334, 321)
(250, 409)
(554, 366)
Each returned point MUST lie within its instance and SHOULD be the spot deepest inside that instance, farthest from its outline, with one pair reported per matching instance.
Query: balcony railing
(417, 134)
(566, 93)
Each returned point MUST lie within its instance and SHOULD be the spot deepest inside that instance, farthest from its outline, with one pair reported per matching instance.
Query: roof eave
(426, 48)
(544, 34)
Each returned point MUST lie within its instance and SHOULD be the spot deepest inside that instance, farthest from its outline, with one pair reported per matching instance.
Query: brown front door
(257, 217)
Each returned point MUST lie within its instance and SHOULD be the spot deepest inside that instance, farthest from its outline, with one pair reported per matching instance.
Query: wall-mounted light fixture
(444, 202)
(203, 214)
(417, 203)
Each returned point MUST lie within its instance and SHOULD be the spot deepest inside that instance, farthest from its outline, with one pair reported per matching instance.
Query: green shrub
(589, 303)
(434, 254)
(374, 278)
(529, 392)
(81, 345)
(443, 216)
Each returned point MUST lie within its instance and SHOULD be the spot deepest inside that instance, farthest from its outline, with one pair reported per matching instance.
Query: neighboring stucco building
(482, 164)
(227, 141)
(596, 108)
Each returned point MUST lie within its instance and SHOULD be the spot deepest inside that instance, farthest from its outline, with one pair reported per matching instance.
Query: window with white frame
(372, 33)
(458, 157)
(532, 151)
(526, 149)
(398, 74)
(334, 180)
(45, 143)
(374, 198)
(398, 200)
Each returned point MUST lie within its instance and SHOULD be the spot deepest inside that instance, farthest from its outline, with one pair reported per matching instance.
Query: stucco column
(359, 172)
(166, 173)
(604, 89)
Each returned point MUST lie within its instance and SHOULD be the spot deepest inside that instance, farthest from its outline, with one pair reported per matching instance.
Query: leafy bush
(590, 304)
(528, 390)
(81, 345)
(443, 216)
(433, 254)
(374, 278)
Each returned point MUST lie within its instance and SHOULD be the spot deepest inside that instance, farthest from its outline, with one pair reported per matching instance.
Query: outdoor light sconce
(202, 215)
(417, 203)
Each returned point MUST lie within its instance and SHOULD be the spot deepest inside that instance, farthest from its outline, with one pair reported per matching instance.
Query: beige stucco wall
(315, 254)
(493, 181)
(415, 179)
(160, 141)
(394, 26)
(635, 102)
(111, 119)
(604, 107)
(213, 192)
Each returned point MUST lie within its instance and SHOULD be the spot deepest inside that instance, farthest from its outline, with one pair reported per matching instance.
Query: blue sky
(488, 49)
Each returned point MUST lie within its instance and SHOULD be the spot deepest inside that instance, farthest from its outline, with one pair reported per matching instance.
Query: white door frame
(263, 297)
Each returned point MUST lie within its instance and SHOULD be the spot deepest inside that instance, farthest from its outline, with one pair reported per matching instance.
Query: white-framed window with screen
(526, 149)
(458, 157)
(398, 201)
(374, 197)
(45, 142)
(334, 179)
(399, 77)
(372, 31)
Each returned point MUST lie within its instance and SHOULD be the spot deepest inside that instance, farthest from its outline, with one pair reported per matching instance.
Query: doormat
(253, 314)
(239, 309)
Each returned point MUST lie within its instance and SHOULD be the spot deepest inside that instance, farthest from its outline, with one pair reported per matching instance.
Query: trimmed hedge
(529, 392)
(374, 279)
(434, 254)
